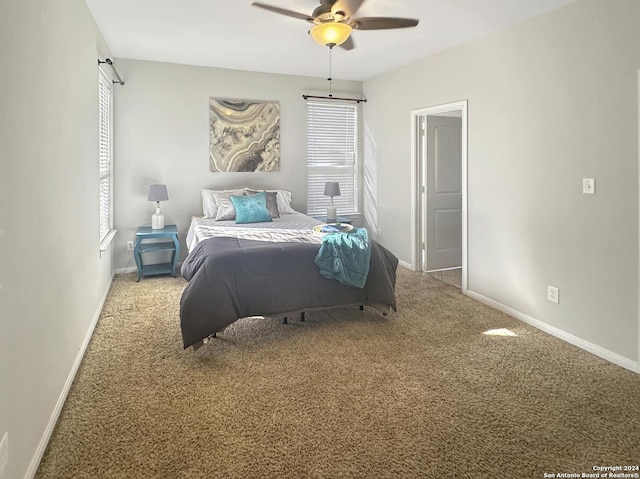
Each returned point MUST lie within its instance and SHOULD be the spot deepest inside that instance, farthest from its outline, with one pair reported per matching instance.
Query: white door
(443, 172)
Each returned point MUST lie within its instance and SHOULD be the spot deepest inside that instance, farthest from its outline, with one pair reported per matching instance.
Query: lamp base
(157, 220)
(332, 214)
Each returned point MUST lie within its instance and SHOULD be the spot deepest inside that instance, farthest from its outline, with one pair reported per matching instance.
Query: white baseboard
(130, 269)
(560, 334)
(405, 265)
(133, 269)
(42, 446)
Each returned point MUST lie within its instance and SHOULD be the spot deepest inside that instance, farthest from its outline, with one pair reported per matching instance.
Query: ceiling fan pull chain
(330, 74)
(330, 97)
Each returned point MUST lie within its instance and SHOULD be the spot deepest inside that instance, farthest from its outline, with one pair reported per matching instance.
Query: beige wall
(550, 101)
(162, 136)
(52, 278)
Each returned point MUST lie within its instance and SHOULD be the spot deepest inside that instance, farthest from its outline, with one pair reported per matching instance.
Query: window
(332, 155)
(105, 159)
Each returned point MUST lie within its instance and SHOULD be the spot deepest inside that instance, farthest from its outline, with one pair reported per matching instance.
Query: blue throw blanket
(345, 257)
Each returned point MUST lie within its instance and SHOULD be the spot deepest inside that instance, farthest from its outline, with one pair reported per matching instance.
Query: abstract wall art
(244, 135)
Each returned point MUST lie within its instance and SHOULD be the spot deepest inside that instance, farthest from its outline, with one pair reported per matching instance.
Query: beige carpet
(347, 394)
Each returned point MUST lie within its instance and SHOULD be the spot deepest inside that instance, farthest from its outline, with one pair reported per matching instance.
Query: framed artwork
(244, 135)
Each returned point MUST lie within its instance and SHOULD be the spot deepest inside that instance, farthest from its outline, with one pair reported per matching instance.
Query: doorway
(439, 166)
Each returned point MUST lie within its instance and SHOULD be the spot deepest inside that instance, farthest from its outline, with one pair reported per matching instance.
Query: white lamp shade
(158, 193)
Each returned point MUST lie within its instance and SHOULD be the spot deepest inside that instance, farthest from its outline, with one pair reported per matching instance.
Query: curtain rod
(110, 63)
(331, 97)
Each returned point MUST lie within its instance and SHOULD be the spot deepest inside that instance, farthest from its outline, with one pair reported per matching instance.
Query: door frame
(417, 182)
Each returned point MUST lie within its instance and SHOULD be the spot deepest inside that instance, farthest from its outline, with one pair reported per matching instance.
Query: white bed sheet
(296, 227)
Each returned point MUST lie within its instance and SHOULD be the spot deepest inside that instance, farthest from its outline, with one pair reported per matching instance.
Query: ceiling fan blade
(284, 11)
(348, 44)
(349, 7)
(382, 23)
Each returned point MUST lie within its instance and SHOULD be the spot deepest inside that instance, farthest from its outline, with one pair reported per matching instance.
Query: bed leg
(302, 316)
(285, 320)
(362, 307)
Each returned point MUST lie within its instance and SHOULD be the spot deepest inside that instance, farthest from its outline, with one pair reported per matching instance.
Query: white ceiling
(233, 34)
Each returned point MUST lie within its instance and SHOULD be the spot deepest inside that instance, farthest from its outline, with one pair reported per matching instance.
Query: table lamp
(331, 188)
(157, 193)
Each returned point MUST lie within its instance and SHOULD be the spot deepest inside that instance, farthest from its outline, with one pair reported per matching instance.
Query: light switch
(589, 186)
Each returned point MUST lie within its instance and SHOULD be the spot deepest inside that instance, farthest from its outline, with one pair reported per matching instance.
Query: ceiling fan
(334, 21)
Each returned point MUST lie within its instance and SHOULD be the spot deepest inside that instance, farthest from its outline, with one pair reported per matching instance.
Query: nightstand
(339, 219)
(170, 236)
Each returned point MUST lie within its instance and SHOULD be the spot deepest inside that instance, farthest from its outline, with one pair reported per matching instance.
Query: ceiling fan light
(330, 33)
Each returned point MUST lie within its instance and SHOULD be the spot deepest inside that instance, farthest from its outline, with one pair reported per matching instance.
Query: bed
(267, 269)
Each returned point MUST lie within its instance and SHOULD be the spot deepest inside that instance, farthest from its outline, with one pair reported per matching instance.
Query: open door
(443, 180)
(439, 191)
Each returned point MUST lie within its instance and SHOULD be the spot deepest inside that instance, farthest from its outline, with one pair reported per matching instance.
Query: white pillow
(209, 205)
(284, 202)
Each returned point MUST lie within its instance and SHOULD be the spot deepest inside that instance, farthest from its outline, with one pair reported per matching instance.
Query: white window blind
(104, 102)
(332, 155)
(370, 180)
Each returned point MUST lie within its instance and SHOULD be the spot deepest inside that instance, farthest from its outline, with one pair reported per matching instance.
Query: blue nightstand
(339, 219)
(170, 234)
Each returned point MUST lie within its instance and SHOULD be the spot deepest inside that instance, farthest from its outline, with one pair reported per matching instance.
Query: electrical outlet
(129, 245)
(589, 186)
(553, 294)
(4, 452)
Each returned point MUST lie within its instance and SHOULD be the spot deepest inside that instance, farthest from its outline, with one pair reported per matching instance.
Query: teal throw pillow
(251, 209)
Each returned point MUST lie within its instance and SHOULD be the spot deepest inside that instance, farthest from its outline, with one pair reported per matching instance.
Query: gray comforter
(231, 278)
